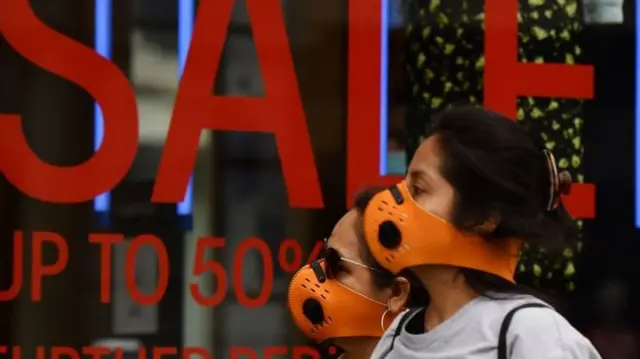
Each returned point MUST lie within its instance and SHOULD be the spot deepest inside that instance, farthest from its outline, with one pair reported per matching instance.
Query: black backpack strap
(398, 330)
(502, 337)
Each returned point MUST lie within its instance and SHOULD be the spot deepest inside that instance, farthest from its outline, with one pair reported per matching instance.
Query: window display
(246, 127)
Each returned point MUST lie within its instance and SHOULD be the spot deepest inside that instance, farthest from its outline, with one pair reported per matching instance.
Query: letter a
(280, 112)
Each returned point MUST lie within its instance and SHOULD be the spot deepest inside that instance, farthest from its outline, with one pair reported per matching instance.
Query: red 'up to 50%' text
(289, 258)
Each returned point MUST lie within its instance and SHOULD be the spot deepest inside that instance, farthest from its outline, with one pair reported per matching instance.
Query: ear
(489, 225)
(399, 295)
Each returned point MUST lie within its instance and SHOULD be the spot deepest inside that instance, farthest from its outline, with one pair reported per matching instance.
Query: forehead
(427, 159)
(344, 237)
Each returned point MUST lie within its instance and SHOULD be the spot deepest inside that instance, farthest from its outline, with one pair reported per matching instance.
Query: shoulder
(548, 334)
(402, 318)
(387, 338)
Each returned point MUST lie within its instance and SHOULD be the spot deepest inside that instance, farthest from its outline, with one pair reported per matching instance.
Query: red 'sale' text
(280, 112)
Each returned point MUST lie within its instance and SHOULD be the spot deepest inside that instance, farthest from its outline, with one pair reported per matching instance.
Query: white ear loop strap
(356, 263)
(360, 294)
(371, 269)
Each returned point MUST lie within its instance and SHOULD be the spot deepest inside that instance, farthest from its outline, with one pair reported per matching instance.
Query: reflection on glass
(103, 40)
(160, 42)
(392, 148)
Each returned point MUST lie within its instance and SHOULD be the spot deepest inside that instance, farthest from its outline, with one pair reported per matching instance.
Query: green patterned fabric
(445, 66)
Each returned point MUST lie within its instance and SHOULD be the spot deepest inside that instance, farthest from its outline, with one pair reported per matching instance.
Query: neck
(362, 348)
(448, 292)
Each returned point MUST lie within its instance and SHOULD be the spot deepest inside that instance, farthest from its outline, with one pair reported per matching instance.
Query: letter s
(101, 79)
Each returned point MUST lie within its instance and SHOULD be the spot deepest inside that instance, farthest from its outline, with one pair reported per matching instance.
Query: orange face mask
(324, 308)
(400, 234)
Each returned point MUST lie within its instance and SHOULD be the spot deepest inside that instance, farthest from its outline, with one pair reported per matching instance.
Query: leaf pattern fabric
(445, 66)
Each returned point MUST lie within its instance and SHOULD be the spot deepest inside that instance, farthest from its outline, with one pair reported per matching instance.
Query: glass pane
(258, 121)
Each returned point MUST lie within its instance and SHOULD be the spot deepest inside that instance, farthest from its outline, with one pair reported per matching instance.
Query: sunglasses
(334, 263)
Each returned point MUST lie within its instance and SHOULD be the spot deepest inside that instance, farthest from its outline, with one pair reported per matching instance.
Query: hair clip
(554, 181)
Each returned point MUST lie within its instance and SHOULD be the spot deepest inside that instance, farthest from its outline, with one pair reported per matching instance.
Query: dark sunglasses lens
(332, 262)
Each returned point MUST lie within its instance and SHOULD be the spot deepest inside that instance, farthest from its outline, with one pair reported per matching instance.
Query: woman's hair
(382, 278)
(499, 171)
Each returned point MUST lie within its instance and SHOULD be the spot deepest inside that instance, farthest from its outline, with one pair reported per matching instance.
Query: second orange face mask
(324, 308)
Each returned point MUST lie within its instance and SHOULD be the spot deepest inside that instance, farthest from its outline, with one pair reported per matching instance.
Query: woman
(346, 299)
(477, 188)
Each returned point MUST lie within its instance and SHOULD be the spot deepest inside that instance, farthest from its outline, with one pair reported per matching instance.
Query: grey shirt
(472, 333)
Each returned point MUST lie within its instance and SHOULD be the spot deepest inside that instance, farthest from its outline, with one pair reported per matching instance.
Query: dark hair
(498, 168)
(382, 278)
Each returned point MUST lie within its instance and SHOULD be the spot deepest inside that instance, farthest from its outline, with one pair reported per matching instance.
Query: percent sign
(288, 248)
(292, 249)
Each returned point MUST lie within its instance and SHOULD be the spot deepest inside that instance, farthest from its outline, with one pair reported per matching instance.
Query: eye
(416, 190)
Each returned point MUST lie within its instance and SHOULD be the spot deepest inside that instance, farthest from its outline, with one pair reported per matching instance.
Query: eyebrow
(417, 174)
(325, 245)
